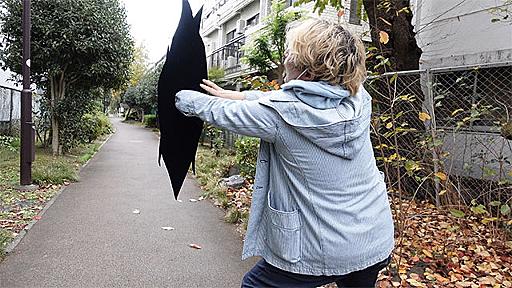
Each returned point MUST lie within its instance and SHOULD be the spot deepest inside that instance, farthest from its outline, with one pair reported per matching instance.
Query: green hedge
(150, 121)
(95, 125)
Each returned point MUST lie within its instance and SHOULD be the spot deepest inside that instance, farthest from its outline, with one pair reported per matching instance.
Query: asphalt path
(91, 237)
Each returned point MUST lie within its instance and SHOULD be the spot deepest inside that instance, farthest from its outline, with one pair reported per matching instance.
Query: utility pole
(27, 153)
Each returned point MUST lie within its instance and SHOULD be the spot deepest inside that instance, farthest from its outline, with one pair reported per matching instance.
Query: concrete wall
(455, 32)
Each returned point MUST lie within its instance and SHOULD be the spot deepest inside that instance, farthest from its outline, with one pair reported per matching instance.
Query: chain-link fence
(445, 133)
(10, 107)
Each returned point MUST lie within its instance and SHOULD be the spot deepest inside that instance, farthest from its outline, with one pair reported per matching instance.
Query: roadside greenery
(141, 97)
(69, 54)
(266, 50)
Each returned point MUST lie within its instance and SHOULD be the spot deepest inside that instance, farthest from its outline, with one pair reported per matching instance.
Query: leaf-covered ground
(433, 248)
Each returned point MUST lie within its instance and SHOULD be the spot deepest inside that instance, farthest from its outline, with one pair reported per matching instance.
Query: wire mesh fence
(10, 107)
(445, 133)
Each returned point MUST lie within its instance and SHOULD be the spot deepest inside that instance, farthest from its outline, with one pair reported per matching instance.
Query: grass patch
(88, 152)
(210, 169)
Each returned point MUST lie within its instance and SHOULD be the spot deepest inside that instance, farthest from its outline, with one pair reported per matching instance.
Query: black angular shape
(184, 67)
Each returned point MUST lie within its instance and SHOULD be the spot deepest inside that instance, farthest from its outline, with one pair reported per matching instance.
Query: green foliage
(76, 46)
(215, 74)
(246, 155)
(5, 238)
(214, 136)
(321, 4)
(10, 143)
(81, 120)
(143, 96)
(138, 67)
(266, 51)
(53, 171)
(95, 125)
(80, 43)
(150, 121)
(210, 169)
(259, 83)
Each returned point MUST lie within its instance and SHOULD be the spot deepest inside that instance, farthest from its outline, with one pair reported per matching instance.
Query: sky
(153, 23)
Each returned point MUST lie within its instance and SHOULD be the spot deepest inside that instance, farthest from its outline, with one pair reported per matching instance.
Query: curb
(47, 206)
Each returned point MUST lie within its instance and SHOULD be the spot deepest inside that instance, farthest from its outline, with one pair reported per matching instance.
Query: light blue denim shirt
(319, 203)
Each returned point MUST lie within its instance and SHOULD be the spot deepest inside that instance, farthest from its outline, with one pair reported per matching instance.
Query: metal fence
(445, 133)
(10, 107)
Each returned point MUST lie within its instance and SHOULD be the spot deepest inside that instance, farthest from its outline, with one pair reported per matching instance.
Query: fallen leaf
(341, 12)
(37, 217)
(383, 37)
(415, 283)
(427, 253)
(180, 200)
(424, 116)
(192, 200)
(195, 246)
(136, 211)
(167, 228)
(441, 176)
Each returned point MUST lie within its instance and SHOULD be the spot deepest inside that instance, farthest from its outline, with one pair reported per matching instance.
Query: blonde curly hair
(328, 52)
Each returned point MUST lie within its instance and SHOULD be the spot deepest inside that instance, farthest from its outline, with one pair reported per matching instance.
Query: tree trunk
(127, 113)
(57, 92)
(55, 135)
(402, 49)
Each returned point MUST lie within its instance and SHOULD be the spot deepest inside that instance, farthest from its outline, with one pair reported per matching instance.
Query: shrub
(246, 155)
(150, 121)
(94, 126)
(11, 143)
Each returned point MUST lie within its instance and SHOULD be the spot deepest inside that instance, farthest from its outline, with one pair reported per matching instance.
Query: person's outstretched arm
(215, 90)
(248, 118)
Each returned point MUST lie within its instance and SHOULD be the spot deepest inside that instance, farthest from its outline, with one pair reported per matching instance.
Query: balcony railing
(228, 56)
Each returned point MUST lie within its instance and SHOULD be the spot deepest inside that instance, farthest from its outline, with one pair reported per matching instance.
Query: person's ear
(307, 76)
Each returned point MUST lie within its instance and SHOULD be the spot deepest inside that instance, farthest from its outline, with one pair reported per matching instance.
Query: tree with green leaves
(142, 97)
(266, 50)
(390, 28)
(79, 45)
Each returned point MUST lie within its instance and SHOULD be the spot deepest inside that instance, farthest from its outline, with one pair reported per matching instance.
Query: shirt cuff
(184, 103)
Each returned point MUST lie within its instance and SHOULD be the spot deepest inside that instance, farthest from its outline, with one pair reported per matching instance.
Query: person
(320, 211)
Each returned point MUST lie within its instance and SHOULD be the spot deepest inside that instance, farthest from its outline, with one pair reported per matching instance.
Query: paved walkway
(90, 236)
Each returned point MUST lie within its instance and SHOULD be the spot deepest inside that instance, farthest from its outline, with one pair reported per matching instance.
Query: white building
(456, 36)
(228, 24)
(456, 33)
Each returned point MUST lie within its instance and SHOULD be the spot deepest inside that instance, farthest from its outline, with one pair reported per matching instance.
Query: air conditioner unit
(240, 26)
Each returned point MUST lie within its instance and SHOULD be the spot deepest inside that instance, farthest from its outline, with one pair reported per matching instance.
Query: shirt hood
(325, 114)
(319, 95)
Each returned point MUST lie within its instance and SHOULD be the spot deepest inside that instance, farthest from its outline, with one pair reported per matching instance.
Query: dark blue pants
(266, 275)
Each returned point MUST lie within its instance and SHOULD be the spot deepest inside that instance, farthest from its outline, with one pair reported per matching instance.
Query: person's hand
(215, 90)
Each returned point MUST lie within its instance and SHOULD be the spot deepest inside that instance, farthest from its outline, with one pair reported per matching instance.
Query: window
(253, 20)
(230, 35)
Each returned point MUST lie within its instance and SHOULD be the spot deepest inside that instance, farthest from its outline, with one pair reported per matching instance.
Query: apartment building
(228, 24)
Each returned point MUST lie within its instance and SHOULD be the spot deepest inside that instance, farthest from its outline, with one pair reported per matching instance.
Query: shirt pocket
(283, 233)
